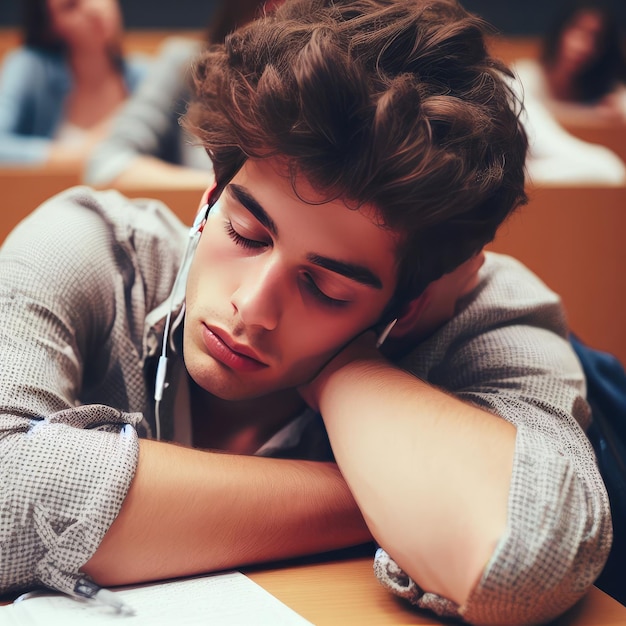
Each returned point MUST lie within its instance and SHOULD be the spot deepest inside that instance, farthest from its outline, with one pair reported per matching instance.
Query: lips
(223, 349)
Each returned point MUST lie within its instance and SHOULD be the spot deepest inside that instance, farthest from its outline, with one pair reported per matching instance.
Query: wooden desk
(341, 592)
(24, 189)
(146, 41)
(346, 593)
(510, 48)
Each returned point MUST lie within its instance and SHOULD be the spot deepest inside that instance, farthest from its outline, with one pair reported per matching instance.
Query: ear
(437, 304)
(206, 196)
(410, 315)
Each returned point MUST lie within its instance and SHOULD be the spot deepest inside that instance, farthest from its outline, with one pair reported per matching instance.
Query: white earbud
(385, 333)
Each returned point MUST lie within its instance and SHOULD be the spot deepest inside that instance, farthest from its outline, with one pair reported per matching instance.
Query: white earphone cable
(160, 379)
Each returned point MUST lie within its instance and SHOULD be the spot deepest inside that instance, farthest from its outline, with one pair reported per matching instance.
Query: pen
(88, 590)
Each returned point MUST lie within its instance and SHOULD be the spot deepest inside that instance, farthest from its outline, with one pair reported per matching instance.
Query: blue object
(606, 394)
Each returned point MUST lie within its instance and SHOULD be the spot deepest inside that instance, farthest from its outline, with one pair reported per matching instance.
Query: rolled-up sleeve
(64, 480)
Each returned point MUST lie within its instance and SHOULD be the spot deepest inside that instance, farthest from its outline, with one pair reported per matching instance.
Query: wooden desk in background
(573, 239)
(24, 189)
(140, 40)
(611, 135)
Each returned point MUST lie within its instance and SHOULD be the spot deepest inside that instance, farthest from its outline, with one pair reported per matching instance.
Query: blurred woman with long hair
(60, 89)
(581, 72)
(147, 147)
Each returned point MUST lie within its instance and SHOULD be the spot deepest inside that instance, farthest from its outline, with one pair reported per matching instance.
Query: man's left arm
(438, 477)
(430, 473)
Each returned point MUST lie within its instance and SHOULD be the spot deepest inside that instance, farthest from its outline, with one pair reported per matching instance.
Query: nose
(258, 300)
(91, 12)
(93, 7)
(98, 10)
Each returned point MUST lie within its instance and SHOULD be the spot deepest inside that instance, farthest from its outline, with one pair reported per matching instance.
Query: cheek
(307, 350)
(111, 17)
(210, 266)
(68, 28)
(311, 339)
(216, 255)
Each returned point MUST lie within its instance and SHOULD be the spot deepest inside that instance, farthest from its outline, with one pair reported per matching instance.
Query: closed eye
(244, 242)
(311, 286)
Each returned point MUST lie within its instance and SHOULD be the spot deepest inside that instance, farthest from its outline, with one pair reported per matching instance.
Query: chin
(221, 385)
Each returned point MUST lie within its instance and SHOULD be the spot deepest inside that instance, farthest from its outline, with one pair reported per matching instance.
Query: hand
(362, 349)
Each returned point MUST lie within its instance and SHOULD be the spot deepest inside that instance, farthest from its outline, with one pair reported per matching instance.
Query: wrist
(360, 357)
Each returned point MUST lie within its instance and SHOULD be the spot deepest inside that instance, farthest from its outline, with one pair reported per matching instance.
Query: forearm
(190, 511)
(430, 473)
(64, 157)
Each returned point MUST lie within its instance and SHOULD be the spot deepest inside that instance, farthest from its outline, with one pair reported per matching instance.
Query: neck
(91, 67)
(240, 426)
(561, 82)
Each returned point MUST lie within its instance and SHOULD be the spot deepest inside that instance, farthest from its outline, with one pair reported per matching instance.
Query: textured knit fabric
(84, 286)
(148, 124)
(34, 86)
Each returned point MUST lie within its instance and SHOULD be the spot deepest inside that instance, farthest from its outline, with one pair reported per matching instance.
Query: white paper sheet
(229, 599)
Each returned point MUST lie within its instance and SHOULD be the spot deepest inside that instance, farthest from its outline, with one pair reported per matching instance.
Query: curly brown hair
(395, 103)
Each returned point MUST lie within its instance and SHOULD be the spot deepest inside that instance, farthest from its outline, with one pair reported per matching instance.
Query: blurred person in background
(61, 88)
(581, 73)
(576, 80)
(147, 147)
(557, 157)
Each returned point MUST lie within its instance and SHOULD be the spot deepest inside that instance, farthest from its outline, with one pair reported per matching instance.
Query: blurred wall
(511, 17)
(156, 14)
(526, 17)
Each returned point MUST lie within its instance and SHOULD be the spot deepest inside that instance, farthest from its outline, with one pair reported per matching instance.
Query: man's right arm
(190, 511)
(74, 471)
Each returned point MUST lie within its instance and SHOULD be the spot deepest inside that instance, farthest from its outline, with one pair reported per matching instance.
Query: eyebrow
(353, 271)
(245, 199)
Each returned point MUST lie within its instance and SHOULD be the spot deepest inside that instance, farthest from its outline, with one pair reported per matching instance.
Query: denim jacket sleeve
(25, 126)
